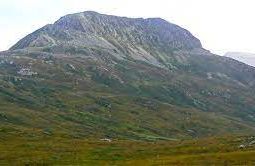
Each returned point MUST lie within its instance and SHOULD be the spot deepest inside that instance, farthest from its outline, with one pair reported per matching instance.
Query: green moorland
(58, 150)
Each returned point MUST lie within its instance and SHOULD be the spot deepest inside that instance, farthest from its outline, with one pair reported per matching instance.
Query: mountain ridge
(247, 58)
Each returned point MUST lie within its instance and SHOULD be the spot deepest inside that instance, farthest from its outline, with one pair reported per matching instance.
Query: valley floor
(228, 150)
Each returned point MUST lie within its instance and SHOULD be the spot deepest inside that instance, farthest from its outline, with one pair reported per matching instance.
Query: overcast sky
(221, 25)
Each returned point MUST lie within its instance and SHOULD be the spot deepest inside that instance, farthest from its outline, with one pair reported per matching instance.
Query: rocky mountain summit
(96, 75)
(94, 29)
(140, 39)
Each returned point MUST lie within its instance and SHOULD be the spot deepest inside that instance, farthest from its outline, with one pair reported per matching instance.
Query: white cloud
(221, 25)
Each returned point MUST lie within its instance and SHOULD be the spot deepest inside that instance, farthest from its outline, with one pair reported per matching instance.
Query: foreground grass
(56, 150)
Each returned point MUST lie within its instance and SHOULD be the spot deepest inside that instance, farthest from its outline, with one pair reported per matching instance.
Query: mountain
(91, 75)
(247, 58)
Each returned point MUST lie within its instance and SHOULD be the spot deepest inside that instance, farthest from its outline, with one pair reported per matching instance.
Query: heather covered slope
(93, 75)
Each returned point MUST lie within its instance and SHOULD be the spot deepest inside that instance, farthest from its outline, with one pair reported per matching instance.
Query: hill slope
(94, 75)
(247, 58)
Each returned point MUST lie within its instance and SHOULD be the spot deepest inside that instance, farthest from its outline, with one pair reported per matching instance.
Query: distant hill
(91, 75)
(247, 58)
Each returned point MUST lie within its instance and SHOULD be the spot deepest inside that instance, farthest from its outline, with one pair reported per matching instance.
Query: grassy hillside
(80, 97)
